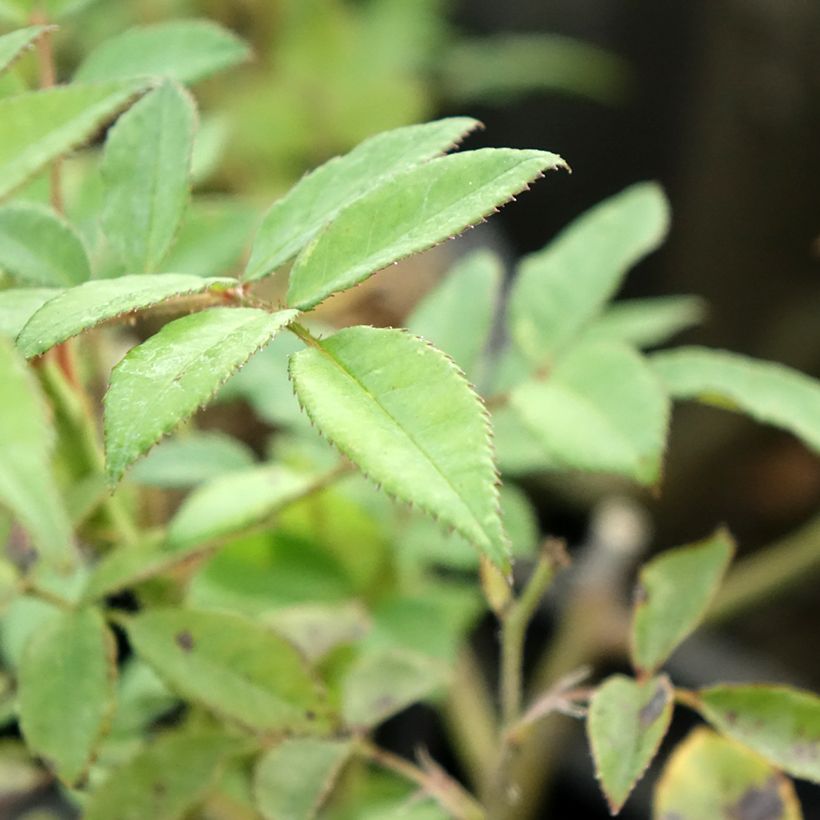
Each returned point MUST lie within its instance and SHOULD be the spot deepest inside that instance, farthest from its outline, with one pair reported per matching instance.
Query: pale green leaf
(232, 665)
(649, 322)
(192, 460)
(27, 486)
(559, 289)
(92, 303)
(182, 50)
(146, 170)
(166, 780)
(382, 683)
(519, 451)
(780, 723)
(600, 408)
(709, 776)
(167, 378)
(18, 305)
(673, 593)
(626, 723)
(66, 690)
(294, 220)
(235, 502)
(40, 248)
(411, 211)
(503, 67)
(295, 777)
(400, 411)
(457, 316)
(212, 237)
(212, 139)
(40, 126)
(22, 10)
(17, 42)
(768, 392)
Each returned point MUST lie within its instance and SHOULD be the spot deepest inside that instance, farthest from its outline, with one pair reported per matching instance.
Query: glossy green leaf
(294, 220)
(400, 411)
(18, 305)
(146, 169)
(40, 126)
(92, 303)
(235, 502)
(626, 723)
(17, 42)
(709, 776)
(182, 50)
(457, 316)
(66, 690)
(411, 211)
(600, 408)
(382, 683)
(768, 392)
(40, 248)
(165, 379)
(674, 591)
(232, 665)
(27, 486)
(166, 780)
(780, 723)
(561, 288)
(295, 777)
(649, 322)
(192, 460)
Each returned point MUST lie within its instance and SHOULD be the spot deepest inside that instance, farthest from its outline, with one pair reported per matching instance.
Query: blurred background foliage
(717, 99)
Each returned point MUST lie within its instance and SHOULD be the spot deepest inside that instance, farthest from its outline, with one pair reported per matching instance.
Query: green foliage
(708, 776)
(626, 724)
(283, 607)
(146, 169)
(37, 247)
(672, 595)
(67, 689)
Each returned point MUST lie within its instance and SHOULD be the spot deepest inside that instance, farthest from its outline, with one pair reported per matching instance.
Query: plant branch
(433, 780)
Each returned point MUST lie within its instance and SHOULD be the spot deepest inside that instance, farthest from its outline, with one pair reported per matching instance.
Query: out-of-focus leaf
(425, 434)
(182, 50)
(627, 721)
(780, 723)
(24, 617)
(518, 449)
(768, 392)
(234, 502)
(27, 486)
(192, 460)
(81, 308)
(709, 776)
(294, 778)
(40, 248)
(146, 169)
(294, 220)
(457, 316)
(383, 683)
(232, 665)
(601, 408)
(165, 379)
(410, 212)
(166, 780)
(22, 10)
(649, 322)
(211, 139)
(18, 305)
(66, 692)
(503, 67)
(559, 289)
(141, 698)
(40, 126)
(17, 42)
(212, 238)
(673, 593)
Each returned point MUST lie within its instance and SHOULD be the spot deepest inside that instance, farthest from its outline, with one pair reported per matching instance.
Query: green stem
(452, 797)
(770, 572)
